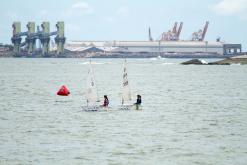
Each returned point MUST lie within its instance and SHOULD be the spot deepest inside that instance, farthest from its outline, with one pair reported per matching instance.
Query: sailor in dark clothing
(138, 101)
(106, 101)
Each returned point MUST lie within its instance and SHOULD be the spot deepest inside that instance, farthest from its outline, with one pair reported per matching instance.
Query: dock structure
(28, 47)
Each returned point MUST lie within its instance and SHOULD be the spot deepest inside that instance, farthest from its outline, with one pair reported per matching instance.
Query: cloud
(13, 16)
(73, 27)
(43, 12)
(109, 19)
(77, 9)
(231, 7)
(123, 11)
(82, 7)
(73, 11)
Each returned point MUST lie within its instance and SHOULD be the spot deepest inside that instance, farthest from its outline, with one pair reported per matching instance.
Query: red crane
(179, 30)
(204, 31)
(174, 30)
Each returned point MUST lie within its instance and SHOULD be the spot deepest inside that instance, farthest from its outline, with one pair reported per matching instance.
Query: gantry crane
(174, 34)
(200, 34)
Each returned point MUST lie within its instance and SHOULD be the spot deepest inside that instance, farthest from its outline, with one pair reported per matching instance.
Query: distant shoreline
(119, 55)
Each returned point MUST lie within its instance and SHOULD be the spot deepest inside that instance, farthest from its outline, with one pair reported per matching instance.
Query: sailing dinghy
(126, 94)
(91, 92)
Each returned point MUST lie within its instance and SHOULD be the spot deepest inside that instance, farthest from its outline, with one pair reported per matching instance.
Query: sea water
(191, 114)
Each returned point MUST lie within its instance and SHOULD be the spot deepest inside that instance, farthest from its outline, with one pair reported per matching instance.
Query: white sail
(91, 90)
(126, 95)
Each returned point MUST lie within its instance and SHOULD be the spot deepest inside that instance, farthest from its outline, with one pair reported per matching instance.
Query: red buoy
(63, 91)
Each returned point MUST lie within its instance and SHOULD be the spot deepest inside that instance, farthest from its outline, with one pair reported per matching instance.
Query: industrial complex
(28, 47)
(168, 44)
(38, 43)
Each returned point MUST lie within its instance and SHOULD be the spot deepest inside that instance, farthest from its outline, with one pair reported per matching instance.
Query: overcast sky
(129, 19)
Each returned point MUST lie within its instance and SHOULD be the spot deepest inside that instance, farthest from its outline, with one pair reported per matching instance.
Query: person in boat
(138, 100)
(106, 101)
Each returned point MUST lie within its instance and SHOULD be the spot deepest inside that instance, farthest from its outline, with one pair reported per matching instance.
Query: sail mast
(91, 91)
(126, 95)
(97, 92)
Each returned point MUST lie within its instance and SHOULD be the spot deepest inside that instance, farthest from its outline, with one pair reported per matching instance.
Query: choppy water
(192, 114)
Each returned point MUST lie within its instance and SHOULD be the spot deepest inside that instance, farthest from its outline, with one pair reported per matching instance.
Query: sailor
(106, 101)
(138, 102)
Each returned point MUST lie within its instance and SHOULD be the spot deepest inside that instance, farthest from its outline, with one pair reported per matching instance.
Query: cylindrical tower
(31, 40)
(45, 38)
(16, 39)
(60, 39)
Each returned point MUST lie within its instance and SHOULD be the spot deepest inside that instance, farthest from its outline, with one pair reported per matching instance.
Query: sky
(129, 19)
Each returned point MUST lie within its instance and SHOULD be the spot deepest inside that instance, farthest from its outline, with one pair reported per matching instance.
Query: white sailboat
(91, 92)
(126, 94)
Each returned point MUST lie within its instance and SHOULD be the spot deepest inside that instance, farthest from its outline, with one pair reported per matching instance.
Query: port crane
(200, 34)
(174, 34)
(150, 35)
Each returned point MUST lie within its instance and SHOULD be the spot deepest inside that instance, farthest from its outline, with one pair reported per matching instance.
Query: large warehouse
(165, 47)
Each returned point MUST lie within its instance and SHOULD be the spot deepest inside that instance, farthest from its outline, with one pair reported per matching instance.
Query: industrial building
(28, 47)
(156, 47)
(168, 44)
